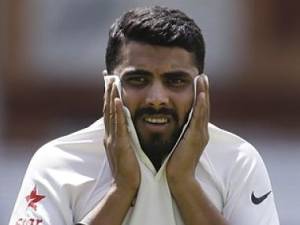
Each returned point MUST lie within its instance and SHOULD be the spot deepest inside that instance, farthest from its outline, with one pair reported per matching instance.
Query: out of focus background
(52, 55)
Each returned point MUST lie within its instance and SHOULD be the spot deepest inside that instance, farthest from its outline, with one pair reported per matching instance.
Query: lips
(156, 120)
(157, 123)
(149, 121)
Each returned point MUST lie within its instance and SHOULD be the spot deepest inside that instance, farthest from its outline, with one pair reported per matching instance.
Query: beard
(157, 146)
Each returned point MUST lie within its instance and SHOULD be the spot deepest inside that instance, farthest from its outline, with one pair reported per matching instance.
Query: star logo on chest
(33, 198)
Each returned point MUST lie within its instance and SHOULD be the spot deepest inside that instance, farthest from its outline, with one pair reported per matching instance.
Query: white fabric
(73, 174)
(154, 198)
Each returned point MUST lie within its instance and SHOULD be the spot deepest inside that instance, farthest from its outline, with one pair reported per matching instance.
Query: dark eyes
(135, 80)
(140, 81)
(176, 81)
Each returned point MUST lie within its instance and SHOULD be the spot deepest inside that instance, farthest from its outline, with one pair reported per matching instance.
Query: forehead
(156, 59)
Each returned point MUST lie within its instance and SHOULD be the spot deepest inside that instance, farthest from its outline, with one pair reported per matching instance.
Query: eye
(135, 80)
(177, 81)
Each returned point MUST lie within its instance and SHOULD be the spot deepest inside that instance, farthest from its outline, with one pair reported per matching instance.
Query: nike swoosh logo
(258, 200)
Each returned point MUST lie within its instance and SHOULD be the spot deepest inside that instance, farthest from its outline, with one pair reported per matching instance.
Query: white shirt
(67, 177)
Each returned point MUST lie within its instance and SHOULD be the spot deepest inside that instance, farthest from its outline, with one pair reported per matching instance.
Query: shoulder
(240, 172)
(228, 156)
(228, 147)
(79, 153)
(66, 171)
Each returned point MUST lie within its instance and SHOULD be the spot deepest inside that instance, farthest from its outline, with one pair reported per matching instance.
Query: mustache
(151, 111)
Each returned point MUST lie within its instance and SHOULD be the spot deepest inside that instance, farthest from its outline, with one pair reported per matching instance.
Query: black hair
(157, 26)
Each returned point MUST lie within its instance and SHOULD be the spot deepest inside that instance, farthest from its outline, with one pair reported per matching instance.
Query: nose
(157, 96)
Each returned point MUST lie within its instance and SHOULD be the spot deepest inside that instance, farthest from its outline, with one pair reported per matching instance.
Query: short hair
(157, 26)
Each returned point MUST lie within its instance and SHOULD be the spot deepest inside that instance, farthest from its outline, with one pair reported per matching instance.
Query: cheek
(131, 99)
(183, 104)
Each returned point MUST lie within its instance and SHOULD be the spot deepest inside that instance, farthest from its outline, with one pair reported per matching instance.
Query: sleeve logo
(257, 200)
(33, 198)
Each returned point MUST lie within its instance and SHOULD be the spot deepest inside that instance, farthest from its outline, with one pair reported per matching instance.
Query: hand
(183, 162)
(117, 142)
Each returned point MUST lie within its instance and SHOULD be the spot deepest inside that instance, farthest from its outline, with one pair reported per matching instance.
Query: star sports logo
(33, 198)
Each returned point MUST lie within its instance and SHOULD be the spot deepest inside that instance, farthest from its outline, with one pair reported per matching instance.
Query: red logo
(33, 198)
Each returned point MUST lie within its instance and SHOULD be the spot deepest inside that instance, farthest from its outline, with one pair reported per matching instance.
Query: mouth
(156, 123)
(156, 120)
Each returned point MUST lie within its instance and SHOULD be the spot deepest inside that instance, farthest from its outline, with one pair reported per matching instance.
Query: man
(154, 158)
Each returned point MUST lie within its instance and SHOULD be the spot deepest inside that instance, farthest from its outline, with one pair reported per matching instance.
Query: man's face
(157, 88)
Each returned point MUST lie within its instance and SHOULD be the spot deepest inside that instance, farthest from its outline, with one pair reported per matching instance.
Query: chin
(157, 143)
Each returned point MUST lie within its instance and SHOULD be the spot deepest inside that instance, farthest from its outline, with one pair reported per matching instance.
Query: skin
(157, 77)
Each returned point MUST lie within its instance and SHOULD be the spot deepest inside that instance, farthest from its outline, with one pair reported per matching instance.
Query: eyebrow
(178, 73)
(147, 73)
(135, 72)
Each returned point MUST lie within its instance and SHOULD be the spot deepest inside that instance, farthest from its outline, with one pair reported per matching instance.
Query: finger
(200, 84)
(106, 107)
(196, 121)
(121, 130)
(194, 134)
(198, 118)
(207, 97)
(112, 112)
(206, 110)
(106, 149)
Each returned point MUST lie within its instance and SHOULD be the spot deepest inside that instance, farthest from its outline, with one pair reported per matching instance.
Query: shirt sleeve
(41, 201)
(250, 199)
